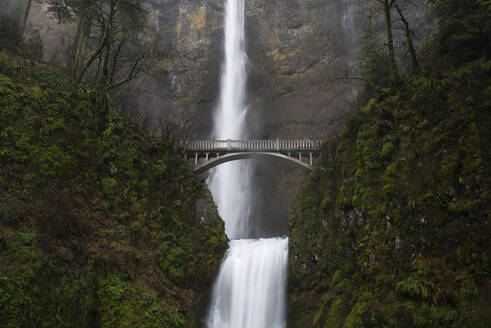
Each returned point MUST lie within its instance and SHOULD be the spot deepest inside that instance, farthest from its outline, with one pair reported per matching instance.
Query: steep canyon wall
(296, 49)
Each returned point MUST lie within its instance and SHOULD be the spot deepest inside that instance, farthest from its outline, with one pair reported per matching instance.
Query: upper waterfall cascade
(230, 183)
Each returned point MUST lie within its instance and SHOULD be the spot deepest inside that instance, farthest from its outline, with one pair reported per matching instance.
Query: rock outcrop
(295, 49)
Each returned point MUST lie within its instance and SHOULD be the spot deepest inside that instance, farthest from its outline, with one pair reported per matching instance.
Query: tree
(108, 50)
(68, 11)
(26, 14)
(110, 29)
(463, 28)
(386, 6)
(372, 65)
(409, 39)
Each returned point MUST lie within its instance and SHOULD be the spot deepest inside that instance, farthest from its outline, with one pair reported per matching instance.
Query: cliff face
(392, 229)
(296, 49)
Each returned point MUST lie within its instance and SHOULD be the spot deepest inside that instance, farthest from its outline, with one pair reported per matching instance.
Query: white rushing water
(230, 182)
(250, 289)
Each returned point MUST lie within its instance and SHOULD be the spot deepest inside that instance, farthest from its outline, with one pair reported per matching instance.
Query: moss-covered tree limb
(409, 39)
(393, 70)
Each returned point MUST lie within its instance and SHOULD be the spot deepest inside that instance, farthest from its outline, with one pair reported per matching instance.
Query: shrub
(34, 46)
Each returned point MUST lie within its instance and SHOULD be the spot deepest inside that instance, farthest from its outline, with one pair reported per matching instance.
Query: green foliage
(412, 287)
(469, 288)
(391, 230)
(110, 295)
(463, 28)
(97, 219)
(34, 46)
(373, 64)
(353, 322)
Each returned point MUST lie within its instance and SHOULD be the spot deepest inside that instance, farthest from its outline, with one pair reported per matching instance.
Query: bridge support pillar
(310, 154)
(207, 156)
(195, 158)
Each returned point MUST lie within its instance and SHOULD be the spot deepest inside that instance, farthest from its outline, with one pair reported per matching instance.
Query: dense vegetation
(98, 219)
(98, 223)
(392, 228)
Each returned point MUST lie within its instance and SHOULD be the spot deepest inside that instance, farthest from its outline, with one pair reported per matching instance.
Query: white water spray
(250, 289)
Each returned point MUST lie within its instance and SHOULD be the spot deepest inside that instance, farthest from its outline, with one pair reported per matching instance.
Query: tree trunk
(107, 55)
(409, 39)
(82, 29)
(25, 15)
(393, 72)
(90, 59)
(117, 52)
(106, 74)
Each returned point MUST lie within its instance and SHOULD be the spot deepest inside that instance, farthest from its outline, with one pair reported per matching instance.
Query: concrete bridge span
(211, 153)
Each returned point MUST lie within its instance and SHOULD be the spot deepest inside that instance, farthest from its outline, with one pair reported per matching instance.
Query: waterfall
(250, 288)
(230, 183)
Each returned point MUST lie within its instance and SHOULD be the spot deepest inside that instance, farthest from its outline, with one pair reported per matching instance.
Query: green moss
(97, 224)
(391, 229)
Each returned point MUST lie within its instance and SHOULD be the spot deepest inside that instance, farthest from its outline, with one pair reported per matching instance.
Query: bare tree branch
(132, 74)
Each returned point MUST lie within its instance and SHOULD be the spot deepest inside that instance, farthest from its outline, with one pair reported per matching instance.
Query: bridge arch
(213, 162)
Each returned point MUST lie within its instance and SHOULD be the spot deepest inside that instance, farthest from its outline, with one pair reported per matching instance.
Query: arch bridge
(216, 152)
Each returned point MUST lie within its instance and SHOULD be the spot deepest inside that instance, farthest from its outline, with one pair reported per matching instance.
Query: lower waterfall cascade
(250, 288)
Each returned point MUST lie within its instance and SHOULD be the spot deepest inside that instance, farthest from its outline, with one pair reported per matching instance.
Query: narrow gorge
(245, 163)
(250, 291)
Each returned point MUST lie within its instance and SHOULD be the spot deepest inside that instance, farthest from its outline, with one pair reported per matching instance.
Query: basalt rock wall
(296, 49)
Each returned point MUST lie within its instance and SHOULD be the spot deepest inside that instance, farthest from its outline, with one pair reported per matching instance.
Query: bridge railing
(251, 145)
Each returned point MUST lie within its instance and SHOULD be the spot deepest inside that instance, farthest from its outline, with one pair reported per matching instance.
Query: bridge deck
(227, 146)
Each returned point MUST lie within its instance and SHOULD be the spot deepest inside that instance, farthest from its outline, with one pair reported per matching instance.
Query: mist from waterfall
(250, 289)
